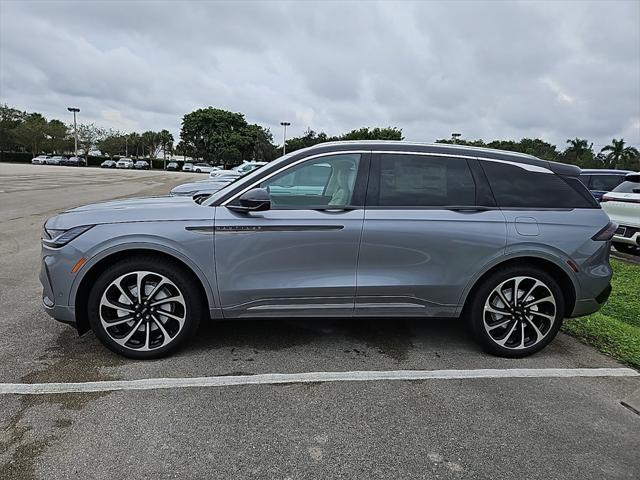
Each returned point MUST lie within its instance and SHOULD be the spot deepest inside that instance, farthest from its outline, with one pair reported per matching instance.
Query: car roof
(605, 171)
(444, 149)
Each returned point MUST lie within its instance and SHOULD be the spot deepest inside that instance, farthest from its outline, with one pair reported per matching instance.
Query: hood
(149, 209)
(207, 186)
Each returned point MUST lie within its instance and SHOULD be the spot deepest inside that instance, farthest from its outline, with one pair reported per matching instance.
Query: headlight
(58, 238)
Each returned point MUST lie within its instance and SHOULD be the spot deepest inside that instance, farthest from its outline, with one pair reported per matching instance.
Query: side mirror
(255, 200)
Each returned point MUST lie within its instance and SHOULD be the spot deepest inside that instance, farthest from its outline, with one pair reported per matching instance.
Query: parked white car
(124, 162)
(187, 167)
(239, 170)
(203, 168)
(622, 205)
(40, 160)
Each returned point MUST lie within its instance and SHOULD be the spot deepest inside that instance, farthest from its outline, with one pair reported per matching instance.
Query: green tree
(308, 139)
(89, 136)
(617, 155)
(221, 136)
(112, 143)
(166, 142)
(10, 119)
(579, 152)
(151, 143)
(58, 134)
(365, 133)
(31, 132)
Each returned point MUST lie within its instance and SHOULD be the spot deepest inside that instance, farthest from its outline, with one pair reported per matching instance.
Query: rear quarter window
(515, 187)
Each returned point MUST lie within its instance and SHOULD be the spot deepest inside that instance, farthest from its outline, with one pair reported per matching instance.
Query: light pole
(284, 137)
(75, 130)
(455, 136)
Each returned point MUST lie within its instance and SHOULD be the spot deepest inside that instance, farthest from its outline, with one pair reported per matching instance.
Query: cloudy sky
(486, 69)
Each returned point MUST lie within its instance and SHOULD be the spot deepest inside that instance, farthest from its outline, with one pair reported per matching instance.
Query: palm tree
(618, 152)
(579, 147)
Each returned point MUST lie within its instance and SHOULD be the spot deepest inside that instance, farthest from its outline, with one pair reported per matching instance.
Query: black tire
(475, 312)
(192, 310)
(626, 248)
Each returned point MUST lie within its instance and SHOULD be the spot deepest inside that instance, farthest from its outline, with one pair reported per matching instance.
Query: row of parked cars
(59, 160)
(125, 163)
(218, 178)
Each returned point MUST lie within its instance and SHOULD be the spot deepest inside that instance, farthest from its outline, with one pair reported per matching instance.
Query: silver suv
(348, 229)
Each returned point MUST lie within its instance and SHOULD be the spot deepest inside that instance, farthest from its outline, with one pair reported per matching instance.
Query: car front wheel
(144, 307)
(517, 311)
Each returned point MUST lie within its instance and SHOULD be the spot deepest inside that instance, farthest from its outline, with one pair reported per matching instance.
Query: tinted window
(605, 183)
(585, 179)
(514, 186)
(627, 187)
(421, 181)
(326, 181)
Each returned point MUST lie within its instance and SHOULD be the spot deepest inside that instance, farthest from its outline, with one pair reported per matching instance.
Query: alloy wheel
(142, 310)
(519, 313)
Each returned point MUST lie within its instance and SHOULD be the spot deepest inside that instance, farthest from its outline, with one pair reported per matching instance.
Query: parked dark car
(600, 181)
(173, 166)
(108, 164)
(74, 162)
(141, 165)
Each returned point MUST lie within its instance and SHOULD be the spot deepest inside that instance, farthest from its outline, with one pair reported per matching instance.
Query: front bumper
(53, 304)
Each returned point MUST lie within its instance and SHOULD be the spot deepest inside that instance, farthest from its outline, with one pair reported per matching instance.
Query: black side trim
(276, 228)
(203, 229)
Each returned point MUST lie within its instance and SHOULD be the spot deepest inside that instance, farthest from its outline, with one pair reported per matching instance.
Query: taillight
(605, 199)
(606, 233)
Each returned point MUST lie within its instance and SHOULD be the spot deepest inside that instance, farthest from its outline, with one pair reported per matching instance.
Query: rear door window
(605, 183)
(516, 187)
(408, 180)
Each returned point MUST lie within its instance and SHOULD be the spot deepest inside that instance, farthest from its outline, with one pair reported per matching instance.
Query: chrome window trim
(524, 166)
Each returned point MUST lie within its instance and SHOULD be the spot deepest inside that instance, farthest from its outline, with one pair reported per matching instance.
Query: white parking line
(310, 377)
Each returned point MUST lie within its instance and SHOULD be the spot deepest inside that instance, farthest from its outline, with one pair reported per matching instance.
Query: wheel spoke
(135, 328)
(522, 334)
(147, 330)
(544, 315)
(116, 305)
(166, 300)
(499, 324)
(139, 282)
(505, 339)
(120, 321)
(526, 295)
(169, 314)
(536, 329)
(126, 293)
(155, 290)
(503, 298)
(540, 300)
(165, 334)
(516, 284)
(492, 309)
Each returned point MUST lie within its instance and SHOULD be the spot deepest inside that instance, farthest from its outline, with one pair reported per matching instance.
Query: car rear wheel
(516, 311)
(626, 248)
(144, 307)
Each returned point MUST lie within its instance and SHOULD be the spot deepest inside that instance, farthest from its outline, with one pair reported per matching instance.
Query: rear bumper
(630, 237)
(591, 305)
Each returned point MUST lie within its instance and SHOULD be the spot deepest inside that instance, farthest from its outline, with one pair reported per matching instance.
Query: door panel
(300, 262)
(298, 258)
(418, 262)
(429, 227)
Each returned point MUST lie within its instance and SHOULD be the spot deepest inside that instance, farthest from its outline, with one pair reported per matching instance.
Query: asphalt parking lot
(507, 427)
